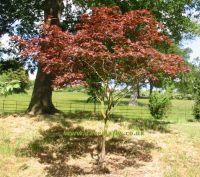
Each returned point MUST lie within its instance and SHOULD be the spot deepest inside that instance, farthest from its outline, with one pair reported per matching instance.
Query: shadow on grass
(193, 120)
(77, 154)
(142, 124)
(14, 114)
(149, 124)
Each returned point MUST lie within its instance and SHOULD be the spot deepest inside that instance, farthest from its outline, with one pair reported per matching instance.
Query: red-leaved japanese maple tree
(117, 48)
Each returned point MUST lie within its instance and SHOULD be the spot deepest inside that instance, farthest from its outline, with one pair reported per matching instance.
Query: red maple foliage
(107, 43)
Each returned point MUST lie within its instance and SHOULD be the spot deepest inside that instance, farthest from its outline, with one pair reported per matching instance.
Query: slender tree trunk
(103, 146)
(41, 100)
(105, 114)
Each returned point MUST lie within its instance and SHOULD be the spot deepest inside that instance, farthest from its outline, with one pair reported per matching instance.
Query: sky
(194, 45)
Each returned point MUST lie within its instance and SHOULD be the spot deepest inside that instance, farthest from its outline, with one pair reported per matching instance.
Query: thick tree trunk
(138, 91)
(134, 95)
(41, 101)
(133, 99)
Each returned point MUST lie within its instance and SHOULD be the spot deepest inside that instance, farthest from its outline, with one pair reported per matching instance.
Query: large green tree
(186, 83)
(175, 15)
(41, 100)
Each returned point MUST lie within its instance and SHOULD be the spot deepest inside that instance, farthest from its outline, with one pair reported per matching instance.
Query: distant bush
(178, 96)
(144, 94)
(189, 97)
(159, 104)
(183, 97)
(73, 89)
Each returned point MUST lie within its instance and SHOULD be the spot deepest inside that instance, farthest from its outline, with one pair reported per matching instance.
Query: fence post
(126, 114)
(185, 113)
(98, 108)
(95, 107)
(70, 107)
(3, 105)
(112, 115)
(16, 106)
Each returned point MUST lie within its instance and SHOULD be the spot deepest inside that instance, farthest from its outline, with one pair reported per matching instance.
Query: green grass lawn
(181, 110)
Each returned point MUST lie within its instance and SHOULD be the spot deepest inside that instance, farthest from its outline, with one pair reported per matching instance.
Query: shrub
(159, 104)
(19, 75)
(196, 111)
(7, 88)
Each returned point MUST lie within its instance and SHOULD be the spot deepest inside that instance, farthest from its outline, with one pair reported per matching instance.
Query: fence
(178, 115)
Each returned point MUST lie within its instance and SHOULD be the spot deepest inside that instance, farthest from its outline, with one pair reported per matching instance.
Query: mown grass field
(180, 111)
(38, 146)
